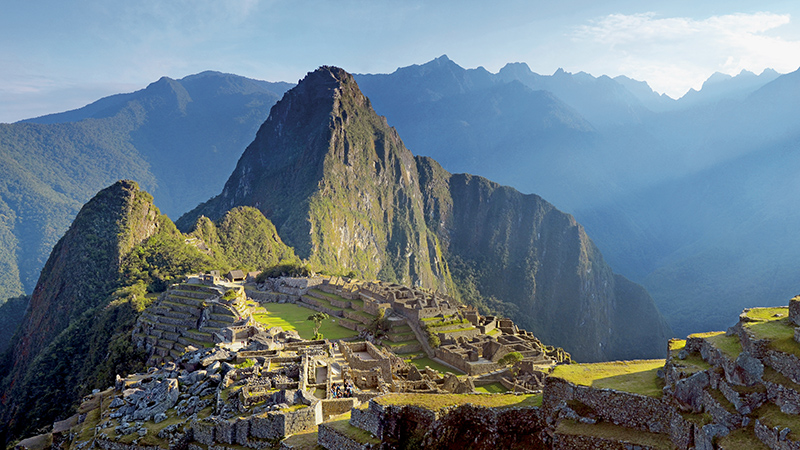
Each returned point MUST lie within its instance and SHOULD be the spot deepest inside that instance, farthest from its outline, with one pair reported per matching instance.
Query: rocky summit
(347, 195)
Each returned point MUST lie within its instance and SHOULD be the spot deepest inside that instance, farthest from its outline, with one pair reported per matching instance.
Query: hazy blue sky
(57, 55)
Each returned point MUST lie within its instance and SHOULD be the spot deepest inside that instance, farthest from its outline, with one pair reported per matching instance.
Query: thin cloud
(677, 53)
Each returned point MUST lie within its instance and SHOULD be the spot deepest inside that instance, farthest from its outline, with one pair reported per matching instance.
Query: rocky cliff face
(343, 190)
(338, 184)
(522, 250)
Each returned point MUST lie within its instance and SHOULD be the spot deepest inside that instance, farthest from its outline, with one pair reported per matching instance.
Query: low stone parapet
(774, 438)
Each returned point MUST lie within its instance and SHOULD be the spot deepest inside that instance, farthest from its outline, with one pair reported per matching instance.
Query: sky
(57, 55)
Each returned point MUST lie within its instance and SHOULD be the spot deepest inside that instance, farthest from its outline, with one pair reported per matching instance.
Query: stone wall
(330, 438)
(381, 361)
(336, 406)
(582, 442)
(271, 297)
(772, 438)
(622, 408)
(794, 310)
(460, 363)
(465, 426)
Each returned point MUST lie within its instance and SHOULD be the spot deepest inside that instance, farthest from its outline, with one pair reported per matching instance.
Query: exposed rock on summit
(343, 190)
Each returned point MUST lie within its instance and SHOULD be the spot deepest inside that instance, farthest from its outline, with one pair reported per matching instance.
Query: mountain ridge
(363, 198)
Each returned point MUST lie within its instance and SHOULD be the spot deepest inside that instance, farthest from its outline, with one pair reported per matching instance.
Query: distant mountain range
(179, 138)
(689, 196)
(692, 197)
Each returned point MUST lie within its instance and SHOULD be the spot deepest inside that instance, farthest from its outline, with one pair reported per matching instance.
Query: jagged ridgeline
(346, 194)
(118, 253)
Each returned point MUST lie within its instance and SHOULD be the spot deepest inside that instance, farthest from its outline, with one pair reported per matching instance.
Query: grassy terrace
(780, 334)
(435, 402)
(494, 388)
(342, 425)
(692, 364)
(767, 314)
(616, 433)
(422, 362)
(729, 345)
(638, 377)
(292, 317)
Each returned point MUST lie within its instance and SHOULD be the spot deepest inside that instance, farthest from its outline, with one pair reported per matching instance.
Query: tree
(511, 358)
(318, 318)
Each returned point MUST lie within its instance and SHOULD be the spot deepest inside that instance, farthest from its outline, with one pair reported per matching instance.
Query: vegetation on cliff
(343, 190)
(76, 334)
(244, 239)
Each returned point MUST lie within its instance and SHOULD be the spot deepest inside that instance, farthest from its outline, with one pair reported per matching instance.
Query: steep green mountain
(519, 249)
(11, 314)
(338, 184)
(343, 190)
(118, 253)
(178, 138)
(78, 278)
(244, 239)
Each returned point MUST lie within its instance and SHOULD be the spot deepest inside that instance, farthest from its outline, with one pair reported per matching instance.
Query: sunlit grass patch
(638, 377)
(729, 345)
(435, 402)
(494, 388)
(780, 334)
(768, 314)
(292, 317)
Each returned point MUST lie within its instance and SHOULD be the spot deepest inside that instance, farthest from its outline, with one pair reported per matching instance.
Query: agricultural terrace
(292, 317)
(638, 377)
(773, 325)
(435, 402)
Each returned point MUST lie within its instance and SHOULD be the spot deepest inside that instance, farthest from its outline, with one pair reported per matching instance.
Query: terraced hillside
(187, 317)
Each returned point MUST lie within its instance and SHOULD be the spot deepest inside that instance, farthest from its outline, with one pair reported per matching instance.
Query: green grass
(742, 439)
(638, 377)
(617, 433)
(435, 402)
(717, 395)
(330, 296)
(729, 345)
(692, 364)
(770, 415)
(768, 314)
(780, 334)
(292, 317)
(494, 388)
(342, 425)
(422, 362)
